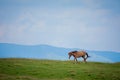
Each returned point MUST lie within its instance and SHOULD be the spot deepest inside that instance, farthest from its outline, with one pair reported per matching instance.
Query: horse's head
(70, 54)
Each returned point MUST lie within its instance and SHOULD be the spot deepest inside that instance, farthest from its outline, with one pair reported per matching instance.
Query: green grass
(32, 69)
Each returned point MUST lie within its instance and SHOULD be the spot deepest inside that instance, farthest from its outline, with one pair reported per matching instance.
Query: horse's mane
(74, 51)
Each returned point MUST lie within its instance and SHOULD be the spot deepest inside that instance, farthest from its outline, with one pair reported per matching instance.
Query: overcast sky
(84, 24)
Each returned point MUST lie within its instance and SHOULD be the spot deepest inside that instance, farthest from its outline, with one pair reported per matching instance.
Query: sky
(84, 24)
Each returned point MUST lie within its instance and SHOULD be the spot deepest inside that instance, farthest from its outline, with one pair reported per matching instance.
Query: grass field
(32, 69)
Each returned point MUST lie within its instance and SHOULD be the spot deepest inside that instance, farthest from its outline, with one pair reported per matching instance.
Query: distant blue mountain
(51, 52)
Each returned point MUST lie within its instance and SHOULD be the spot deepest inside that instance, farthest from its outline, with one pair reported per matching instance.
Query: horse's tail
(87, 55)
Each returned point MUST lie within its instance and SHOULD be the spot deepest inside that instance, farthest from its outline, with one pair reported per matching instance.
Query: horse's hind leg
(84, 58)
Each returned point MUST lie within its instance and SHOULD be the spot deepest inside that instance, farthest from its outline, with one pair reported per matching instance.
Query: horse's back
(81, 53)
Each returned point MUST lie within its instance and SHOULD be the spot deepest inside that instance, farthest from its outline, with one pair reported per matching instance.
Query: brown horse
(78, 54)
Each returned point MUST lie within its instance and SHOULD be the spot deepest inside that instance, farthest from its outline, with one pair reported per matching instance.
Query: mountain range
(8, 50)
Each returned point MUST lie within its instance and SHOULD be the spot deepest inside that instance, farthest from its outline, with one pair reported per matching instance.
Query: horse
(78, 54)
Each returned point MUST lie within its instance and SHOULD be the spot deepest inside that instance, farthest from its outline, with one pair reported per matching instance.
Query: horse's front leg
(75, 59)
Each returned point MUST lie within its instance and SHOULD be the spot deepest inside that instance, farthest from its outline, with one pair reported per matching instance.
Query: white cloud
(81, 27)
(2, 32)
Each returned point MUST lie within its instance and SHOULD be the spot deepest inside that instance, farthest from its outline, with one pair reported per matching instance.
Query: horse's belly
(78, 56)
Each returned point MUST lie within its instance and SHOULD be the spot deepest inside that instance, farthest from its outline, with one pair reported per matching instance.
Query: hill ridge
(51, 52)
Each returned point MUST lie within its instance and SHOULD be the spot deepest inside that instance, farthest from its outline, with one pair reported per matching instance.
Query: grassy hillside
(31, 69)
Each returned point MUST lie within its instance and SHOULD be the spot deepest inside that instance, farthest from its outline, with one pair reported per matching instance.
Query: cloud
(1, 32)
(82, 27)
(91, 3)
